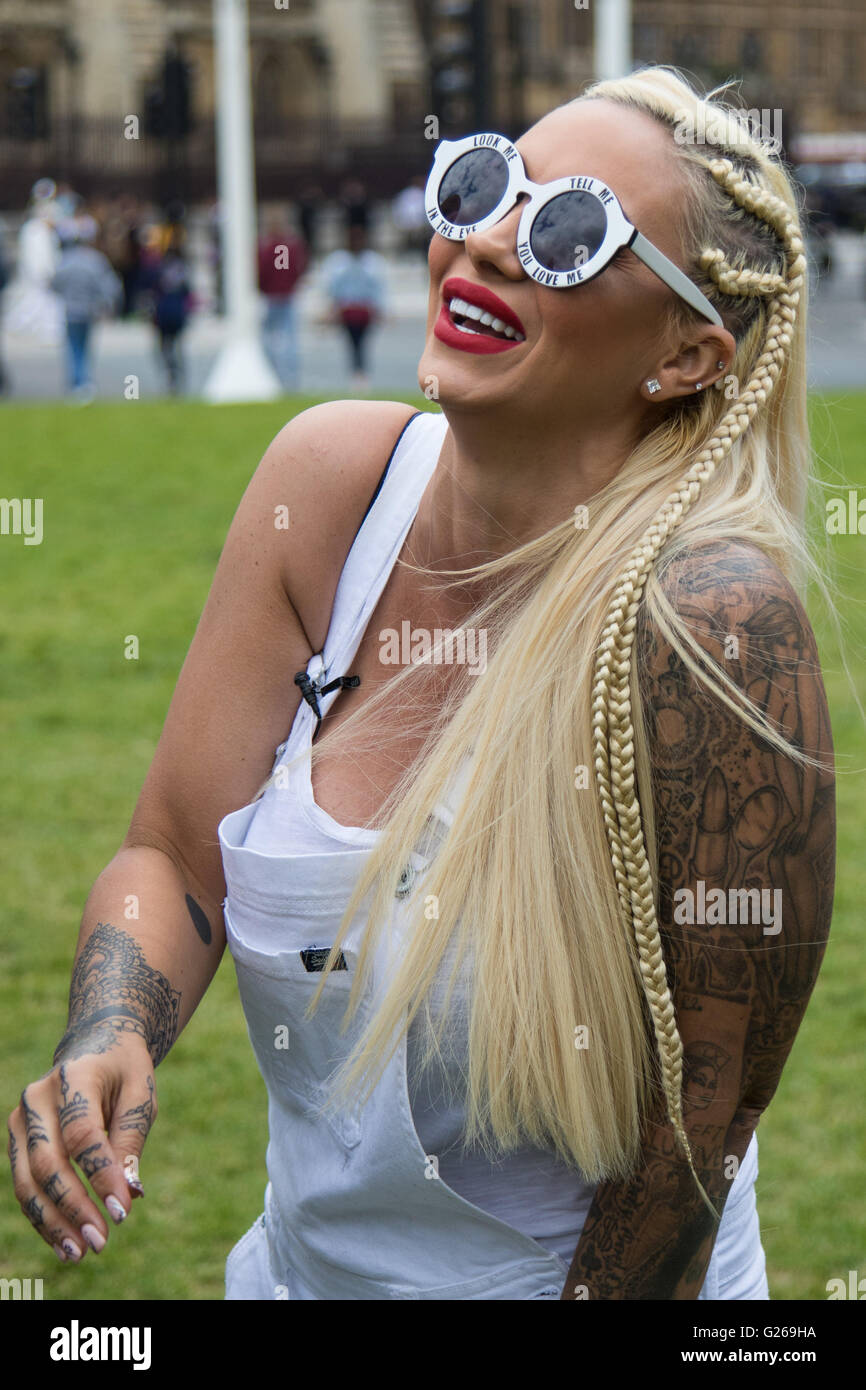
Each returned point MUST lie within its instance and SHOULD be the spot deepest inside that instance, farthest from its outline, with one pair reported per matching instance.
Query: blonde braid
(739, 280)
(613, 731)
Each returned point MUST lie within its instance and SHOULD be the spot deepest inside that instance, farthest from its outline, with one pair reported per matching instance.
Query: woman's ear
(697, 363)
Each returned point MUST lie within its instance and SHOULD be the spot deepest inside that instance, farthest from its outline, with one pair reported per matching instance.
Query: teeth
(472, 311)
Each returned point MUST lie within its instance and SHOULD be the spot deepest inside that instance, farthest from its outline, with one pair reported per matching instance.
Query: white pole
(242, 372)
(612, 38)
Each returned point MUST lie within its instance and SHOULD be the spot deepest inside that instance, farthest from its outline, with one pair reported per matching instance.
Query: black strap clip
(310, 694)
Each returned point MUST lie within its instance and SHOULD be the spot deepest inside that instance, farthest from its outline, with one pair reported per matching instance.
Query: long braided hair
(613, 729)
(546, 894)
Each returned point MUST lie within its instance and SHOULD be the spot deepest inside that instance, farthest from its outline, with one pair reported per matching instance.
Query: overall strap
(372, 556)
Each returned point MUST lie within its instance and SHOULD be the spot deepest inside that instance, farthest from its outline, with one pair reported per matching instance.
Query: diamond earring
(721, 366)
(652, 385)
(700, 386)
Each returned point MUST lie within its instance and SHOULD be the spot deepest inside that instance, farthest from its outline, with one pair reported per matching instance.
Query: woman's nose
(497, 245)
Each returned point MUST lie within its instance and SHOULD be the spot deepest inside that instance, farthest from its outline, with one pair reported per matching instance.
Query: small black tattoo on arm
(199, 920)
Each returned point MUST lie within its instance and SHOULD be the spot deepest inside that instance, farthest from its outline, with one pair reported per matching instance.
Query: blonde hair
(548, 892)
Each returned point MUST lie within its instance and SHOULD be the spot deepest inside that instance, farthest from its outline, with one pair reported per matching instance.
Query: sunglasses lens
(472, 187)
(568, 231)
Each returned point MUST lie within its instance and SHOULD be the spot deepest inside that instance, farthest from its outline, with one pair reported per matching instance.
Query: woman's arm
(743, 968)
(152, 931)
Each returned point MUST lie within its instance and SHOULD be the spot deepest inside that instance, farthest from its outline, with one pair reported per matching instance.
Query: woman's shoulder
(730, 577)
(324, 466)
(742, 612)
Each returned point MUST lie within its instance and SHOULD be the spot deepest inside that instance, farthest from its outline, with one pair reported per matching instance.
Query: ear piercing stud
(652, 386)
(700, 386)
(721, 366)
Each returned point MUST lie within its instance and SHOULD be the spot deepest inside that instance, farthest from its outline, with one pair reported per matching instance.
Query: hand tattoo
(53, 1190)
(89, 1163)
(34, 1211)
(33, 1124)
(139, 1117)
(72, 1109)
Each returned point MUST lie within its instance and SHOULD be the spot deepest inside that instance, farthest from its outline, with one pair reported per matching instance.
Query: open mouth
(468, 318)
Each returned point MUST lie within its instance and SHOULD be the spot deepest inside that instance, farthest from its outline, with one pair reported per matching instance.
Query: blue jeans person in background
(280, 338)
(77, 355)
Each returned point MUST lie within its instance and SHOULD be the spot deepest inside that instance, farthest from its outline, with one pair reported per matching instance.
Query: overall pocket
(298, 1055)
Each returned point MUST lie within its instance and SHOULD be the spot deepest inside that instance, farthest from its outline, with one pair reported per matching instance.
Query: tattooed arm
(746, 841)
(127, 974)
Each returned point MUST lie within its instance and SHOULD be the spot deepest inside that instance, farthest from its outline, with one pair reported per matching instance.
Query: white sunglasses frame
(619, 232)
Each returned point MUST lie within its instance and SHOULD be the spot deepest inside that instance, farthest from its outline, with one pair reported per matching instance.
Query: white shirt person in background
(353, 280)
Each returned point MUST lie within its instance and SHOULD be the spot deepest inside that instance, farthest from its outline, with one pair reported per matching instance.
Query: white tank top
(528, 1188)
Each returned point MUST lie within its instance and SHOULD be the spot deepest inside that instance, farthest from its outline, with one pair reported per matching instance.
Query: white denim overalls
(353, 1209)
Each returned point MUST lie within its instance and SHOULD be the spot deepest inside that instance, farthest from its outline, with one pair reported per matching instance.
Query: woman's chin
(447, 376)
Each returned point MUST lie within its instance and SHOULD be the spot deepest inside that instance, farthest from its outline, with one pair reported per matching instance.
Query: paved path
(837, 331)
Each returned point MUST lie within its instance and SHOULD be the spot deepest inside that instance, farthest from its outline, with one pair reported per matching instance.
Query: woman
(514, 963)
(354, 281)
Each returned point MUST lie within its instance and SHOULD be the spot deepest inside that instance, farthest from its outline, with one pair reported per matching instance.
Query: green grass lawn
(137, 501)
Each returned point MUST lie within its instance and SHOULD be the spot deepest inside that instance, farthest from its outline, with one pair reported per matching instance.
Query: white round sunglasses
(569, 229)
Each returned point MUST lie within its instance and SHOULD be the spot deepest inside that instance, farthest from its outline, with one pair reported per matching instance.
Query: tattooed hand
(95, 1107)
(745, 854)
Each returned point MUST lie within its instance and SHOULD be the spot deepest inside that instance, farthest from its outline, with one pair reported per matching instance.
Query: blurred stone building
(343, 85)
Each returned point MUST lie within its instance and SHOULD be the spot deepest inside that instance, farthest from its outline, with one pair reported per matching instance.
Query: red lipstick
(483, 343)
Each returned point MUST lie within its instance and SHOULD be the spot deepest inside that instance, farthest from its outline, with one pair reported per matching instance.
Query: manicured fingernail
(71, 1249)
(130, 1172)
(59, 1253)
(117, 1209)
(95, 1239)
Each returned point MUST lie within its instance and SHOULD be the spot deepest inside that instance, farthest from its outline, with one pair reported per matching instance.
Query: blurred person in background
(88, 290)
(122, 243)
(171, 303)
(354, 281)
(310, 201)
(355, 202)
(170, 234)
(33, 309)
(215, 256)
(410, 217)
(283, 259)
(4, 280)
